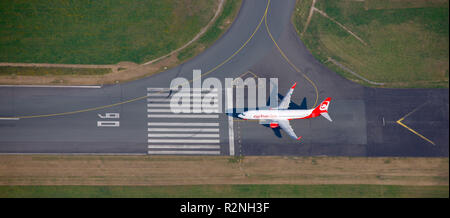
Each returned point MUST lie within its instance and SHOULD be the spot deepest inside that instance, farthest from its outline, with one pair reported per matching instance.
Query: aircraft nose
(241, 116)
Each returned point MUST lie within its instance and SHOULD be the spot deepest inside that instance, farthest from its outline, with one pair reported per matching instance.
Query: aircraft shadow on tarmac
(276, 131)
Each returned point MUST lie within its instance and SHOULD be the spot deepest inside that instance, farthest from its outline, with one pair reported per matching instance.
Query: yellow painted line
(418, 134)
(240, 76)
(245, 43)
(413, 111)
(144, 97)
(290, 63)
(254, 75)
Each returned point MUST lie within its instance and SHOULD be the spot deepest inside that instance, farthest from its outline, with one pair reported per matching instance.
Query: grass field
(204, 176)
(407, 41)
(50, 170)
(44, 71)
(229, 12)
(227, 191)
(98, 32)
(301, 13)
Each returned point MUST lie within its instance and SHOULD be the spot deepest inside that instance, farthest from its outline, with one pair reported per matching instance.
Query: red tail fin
(322, 108)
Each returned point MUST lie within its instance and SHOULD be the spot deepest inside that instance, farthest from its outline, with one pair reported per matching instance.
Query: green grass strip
(227, 191)
(47, 71)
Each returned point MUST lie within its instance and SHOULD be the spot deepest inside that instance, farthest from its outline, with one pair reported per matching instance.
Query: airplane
(279, 117)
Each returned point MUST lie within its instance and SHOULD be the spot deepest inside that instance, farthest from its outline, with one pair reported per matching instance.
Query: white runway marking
(158, 105)
(182, 130)
(191, 89)
(167, 110)
(108, 123)
(185, 152)
(186, 146)
(181, 94)
(192, 135)
(183, 137)
(158, 89)
(181, 124)
(183, 116)
(9, 118)
(187, 106)
(183, 140)
(195, 100)
(229, 103)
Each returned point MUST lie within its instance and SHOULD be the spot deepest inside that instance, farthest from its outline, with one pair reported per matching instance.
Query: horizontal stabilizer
(325, 114)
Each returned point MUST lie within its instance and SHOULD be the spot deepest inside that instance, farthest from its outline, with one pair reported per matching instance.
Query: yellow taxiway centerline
(418, 134)
(290, 63)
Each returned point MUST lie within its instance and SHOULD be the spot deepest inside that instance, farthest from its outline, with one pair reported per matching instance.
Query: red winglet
(293, 87)
(299, 138)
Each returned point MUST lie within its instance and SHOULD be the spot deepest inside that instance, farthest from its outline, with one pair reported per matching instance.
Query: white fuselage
(275, 114)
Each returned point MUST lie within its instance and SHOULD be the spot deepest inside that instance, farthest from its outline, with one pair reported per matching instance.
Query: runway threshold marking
(144, 97)
(181, 124)
(182, 129)
(190, 138)
(413, 131)
(290, 63)
(195, 116)
(185, 152)
(178, 135)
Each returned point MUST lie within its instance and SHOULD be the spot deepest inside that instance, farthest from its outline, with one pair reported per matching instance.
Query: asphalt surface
(364, 119)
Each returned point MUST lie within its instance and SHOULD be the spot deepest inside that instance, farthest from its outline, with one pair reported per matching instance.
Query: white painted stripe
(192, 135)
(157, 89)
(229, 96)
(186, 146)
(158, 94)
(159, 99)
(183, 106)
(183, 141)
(9, 118)
(49, 86)
(168, 89)
(195, 100)
(179, 94)
(202, 91)
(108, 123)
(169, 110)
(160, 105)
(184, 152)
(183, 116)
(182, 130)
(231, 135)
(181, 124)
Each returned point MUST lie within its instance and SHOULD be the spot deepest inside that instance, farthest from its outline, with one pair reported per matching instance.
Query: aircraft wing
(284, 124)
(287, 98)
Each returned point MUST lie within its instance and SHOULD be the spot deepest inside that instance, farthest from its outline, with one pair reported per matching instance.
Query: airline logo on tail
(324, 105)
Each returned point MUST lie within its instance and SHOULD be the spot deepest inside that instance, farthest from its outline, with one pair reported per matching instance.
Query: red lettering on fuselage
(263, 116)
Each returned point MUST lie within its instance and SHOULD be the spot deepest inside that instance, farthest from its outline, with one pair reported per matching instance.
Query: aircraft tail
(327, 116)
(322, 109)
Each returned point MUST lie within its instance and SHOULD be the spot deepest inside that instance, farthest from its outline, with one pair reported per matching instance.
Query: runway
(134, 116)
